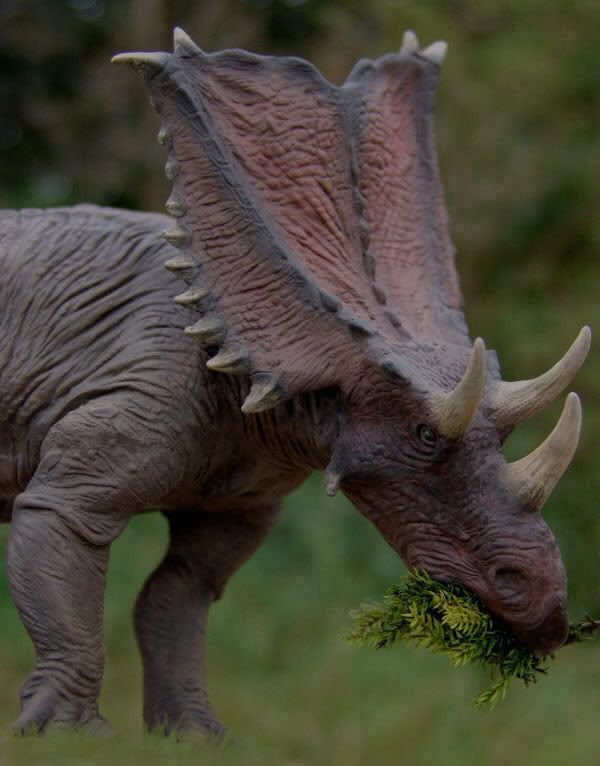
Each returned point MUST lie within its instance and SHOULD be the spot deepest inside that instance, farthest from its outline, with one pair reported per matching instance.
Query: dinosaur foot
(183, 728)
(46, 711)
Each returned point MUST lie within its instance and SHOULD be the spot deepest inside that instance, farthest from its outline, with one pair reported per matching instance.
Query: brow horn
(515, 402)
(454, 412)
(534, 477)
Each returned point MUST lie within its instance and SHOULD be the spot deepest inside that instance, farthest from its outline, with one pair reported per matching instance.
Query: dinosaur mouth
(543, 635)
(551, 631)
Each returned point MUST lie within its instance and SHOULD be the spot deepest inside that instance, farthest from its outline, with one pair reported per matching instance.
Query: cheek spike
(332, 481)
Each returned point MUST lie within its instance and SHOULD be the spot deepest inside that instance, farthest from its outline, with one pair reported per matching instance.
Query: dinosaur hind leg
(171, 613)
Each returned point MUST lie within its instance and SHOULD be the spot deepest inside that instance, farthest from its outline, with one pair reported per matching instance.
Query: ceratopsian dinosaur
(314, 242)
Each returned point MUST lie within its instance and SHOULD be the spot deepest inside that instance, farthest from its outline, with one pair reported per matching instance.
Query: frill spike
(266, 392)
(209, 329)
(410, 43)
(147, 64)
(435, 52)
(179, 263)
(183, 45)
(192, 296)
(164, 136)
(178, 236)
(175, 206)
(232, 359)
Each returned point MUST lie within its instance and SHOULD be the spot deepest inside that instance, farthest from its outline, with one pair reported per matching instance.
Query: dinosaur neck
(302, 432)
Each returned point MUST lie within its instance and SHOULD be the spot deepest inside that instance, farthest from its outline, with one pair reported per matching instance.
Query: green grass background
(520, 152)
(282, 677)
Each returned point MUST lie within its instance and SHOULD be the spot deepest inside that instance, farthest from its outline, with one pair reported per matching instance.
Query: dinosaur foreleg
(98, 466)
(171, 613)
(57, 583)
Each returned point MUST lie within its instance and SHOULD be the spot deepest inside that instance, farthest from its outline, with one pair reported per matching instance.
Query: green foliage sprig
(449, 619)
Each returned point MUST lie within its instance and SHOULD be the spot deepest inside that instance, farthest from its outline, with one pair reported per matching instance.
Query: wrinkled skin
(108, 410)
(316, 252)
(459, 527)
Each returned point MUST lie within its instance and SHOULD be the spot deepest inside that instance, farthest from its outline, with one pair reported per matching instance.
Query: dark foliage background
(518, 136)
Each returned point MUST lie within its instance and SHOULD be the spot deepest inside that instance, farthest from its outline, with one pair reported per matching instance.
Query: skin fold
(312, 237)
(108, 410)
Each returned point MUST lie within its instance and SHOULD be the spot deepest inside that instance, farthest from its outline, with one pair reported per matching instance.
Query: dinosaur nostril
(509, 582)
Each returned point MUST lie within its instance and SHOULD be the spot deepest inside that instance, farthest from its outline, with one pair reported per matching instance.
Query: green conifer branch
(449, 619)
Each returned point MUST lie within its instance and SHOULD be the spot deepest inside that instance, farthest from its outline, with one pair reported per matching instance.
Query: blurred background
(518, 130)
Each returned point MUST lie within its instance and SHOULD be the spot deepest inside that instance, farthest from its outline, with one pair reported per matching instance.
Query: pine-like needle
(449, 619)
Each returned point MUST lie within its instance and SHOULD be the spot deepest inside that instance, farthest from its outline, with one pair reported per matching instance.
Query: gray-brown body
(107, 410)
(94, 321)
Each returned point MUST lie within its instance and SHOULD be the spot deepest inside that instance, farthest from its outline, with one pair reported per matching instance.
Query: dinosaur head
(426, 466)
(313, 237)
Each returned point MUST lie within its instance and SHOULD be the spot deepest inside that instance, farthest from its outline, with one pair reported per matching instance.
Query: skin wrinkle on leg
(78, 502)
(171, 612)
(59, 597)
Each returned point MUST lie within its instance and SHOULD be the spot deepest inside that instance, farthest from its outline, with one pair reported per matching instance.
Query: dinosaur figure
(313, 240)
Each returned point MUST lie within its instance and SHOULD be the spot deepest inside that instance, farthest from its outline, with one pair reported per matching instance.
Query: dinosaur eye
(426, 436)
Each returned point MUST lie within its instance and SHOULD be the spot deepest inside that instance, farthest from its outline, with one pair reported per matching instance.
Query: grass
(287, 685)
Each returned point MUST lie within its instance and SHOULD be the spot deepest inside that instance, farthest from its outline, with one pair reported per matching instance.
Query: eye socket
(426, 435)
